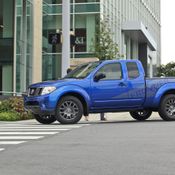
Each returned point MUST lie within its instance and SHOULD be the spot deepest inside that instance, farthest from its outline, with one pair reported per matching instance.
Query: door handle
(122, 84)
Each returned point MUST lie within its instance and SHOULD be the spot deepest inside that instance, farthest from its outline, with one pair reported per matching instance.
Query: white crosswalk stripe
(43, 126)
(35, 129)
(20, 137)
(19, 133)
(11, 142)
(28, 133)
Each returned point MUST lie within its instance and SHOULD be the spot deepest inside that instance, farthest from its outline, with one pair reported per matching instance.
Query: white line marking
(11, 142)
(31, 129)
(43, 127)
(20, 137)
(2, 149)
(28, 133)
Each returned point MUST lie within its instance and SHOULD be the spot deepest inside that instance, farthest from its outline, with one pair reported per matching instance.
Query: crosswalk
(1, 149)
(15, 134)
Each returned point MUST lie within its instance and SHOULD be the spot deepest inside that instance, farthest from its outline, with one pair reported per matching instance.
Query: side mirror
(99, 77)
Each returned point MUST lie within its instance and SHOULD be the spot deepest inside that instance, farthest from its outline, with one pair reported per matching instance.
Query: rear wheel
(141, 115)
(45, 119)
(167, 108)
(69, 110)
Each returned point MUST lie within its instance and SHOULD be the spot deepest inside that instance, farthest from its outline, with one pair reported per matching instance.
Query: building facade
(20, 44)
(6, 44)
(31, 58)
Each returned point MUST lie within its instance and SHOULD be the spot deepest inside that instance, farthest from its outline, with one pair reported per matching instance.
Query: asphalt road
(109, 148)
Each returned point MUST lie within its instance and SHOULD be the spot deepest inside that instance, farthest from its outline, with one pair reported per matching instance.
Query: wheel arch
(171, 91)
(166, 89)
(80, 97)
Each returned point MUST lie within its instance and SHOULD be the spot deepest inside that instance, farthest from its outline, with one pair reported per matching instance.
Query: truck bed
(153, 85)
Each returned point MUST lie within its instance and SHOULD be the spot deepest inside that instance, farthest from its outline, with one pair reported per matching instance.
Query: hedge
(12, 109)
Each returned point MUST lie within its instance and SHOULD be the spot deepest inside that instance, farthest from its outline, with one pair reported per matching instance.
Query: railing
(8, 93)
(56, 9)
(46, 8)
(76, 54)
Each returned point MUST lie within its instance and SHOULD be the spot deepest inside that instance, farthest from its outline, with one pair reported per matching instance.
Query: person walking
(102, 117)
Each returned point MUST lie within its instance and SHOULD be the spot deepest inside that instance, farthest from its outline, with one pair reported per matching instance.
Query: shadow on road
(91, 122)
(114, 122)
(124, 121)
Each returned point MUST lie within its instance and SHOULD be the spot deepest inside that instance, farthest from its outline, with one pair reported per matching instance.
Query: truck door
(115, 90)
(136, 83)
(110, 91)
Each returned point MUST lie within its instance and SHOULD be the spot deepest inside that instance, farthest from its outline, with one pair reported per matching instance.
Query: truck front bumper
(39, 105)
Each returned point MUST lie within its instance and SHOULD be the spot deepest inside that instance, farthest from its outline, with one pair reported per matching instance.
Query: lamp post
(66, 36)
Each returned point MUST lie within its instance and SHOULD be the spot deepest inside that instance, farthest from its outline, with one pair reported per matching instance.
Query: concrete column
(66, 36)
(123, 48)
(143, 55)
(14, 48)
(23, 48)
(37, 41)
(135, 53)
(128, 48)
(150, 67)
(90, 31)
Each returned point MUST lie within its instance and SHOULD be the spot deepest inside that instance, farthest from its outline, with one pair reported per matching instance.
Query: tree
(103, 46)
(167, 70)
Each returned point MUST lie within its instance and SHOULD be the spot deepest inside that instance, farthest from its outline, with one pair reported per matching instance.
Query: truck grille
(34, 91)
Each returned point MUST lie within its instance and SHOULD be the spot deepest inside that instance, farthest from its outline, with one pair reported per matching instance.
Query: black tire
(167, 108)
(69, 110)
(45, 119)
(141, 115)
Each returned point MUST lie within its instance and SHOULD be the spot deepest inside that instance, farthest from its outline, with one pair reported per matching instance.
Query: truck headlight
(47, 90)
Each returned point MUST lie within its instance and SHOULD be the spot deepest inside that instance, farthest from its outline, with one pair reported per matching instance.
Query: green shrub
(9, 116)
(15, 106)
(5, 106)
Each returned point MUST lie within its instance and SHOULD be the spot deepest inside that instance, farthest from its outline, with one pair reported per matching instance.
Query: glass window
(133, 71)
(24, 43)
(80, 1)
(53, 1)
(112, 71)
(83, 71)
(6, 45)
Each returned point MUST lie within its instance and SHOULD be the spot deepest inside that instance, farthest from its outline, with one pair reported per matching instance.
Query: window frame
(110, 79)
(132, 78)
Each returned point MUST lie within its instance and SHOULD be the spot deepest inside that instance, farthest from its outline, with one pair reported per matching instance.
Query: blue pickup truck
(104, 86)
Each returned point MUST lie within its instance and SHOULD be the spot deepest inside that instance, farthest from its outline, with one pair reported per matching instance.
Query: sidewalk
(122, 116)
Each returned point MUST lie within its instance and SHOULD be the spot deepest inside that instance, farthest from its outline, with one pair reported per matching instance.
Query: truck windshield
(83, 70)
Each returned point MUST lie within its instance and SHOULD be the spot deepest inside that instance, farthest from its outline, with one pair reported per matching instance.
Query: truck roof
(122, 61)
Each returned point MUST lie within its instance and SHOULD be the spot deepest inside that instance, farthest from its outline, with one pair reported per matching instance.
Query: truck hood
(56, 83)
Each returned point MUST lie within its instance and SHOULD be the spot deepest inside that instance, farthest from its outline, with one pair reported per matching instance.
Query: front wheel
(167, 108)
(69, 110)
(44, 119)
(141, 115)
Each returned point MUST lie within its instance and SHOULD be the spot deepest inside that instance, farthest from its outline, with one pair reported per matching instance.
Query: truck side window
(112, 71)
(133, 71)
